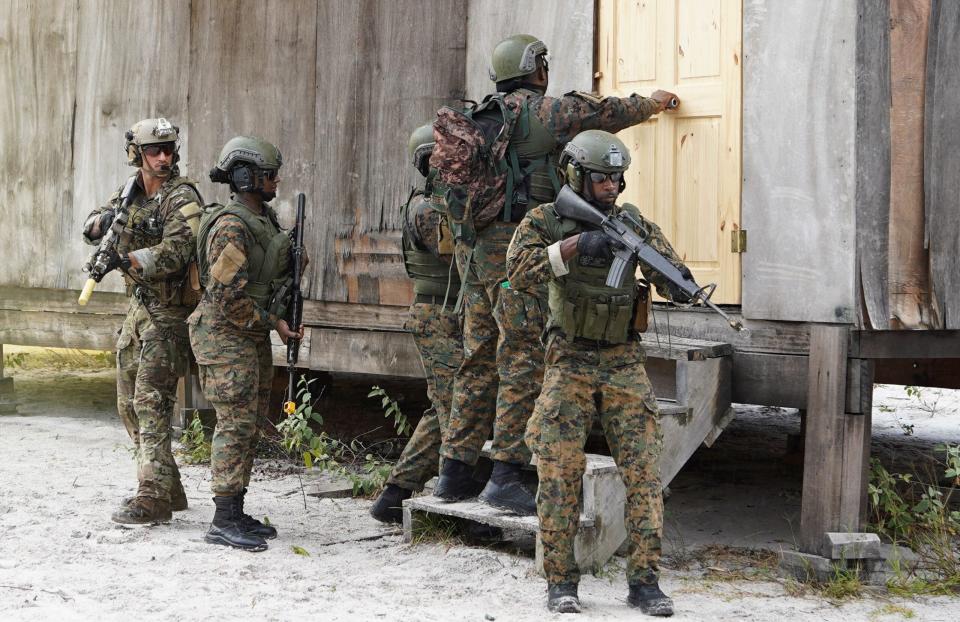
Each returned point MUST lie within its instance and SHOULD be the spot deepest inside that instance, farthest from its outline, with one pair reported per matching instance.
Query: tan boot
(178, 497)
(143, 511)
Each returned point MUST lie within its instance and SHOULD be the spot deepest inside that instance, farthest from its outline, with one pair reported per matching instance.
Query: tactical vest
(431, 275)
(144, 230)
(581, 305)
(268, 259)
(535, 149)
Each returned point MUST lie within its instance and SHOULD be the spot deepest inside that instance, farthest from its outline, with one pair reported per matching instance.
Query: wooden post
(835, 468)
(8, 404)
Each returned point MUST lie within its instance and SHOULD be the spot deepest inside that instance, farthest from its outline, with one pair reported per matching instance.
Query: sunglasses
(596, 177)
(270, 174)
(155, 150)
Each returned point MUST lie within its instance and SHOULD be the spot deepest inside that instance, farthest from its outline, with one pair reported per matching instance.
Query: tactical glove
(115, 260)
(106, 219)
(595, 244)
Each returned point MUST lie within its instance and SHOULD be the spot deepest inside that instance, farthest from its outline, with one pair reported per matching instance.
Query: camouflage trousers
(148, 367)
(498, 382)
(236, 373)
(436, 331)
(611, 383)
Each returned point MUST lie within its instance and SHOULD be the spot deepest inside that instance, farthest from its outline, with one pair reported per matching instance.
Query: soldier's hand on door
(666, 99)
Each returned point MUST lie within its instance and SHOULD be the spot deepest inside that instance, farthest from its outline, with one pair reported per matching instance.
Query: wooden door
(685, 174)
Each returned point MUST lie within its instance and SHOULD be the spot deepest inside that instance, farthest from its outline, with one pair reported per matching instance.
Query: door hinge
(738, 241)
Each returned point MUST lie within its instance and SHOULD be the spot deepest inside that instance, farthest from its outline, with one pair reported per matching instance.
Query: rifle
(96, 266)
(622, 230)
(295, 316)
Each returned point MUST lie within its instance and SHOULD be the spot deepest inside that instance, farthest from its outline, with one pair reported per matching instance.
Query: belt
(426, 299)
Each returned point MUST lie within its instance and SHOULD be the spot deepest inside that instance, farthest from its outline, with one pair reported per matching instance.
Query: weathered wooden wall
(338, 86)
(799, 190)
(941, 161)
(566, 26)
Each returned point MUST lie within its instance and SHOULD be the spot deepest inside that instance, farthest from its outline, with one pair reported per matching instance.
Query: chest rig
(425, 237)
(268, 258)
(581, 305)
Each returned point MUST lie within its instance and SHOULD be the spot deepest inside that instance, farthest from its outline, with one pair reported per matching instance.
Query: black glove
(595, 244)
(114, 260)
(677, 294)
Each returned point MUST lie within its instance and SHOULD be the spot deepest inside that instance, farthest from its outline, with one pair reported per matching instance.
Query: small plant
(845, 583)
(436, 528)
(927, 404)
(14, 360)
(194, 446)
(391, 408)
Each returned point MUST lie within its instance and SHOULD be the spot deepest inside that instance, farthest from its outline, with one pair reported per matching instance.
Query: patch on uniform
(596, 100)
(230, 261)
(191, 212)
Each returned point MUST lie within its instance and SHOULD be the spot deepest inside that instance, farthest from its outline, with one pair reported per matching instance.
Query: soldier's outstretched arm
(529, 261)
(178, 244)
(227, 253)
(575, 112)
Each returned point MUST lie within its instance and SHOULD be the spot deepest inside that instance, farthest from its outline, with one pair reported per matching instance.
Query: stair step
(682, 349)
(474, 510)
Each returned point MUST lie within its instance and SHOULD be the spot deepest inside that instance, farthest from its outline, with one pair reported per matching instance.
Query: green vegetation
(195, 447)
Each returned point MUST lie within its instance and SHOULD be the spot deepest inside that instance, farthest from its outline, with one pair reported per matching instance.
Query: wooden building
(811, 171)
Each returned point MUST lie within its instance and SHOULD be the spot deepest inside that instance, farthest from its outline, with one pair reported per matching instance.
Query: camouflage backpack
(474, 161)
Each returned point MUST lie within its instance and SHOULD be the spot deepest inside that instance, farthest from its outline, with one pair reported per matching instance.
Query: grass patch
(59, 359)
(437, 528)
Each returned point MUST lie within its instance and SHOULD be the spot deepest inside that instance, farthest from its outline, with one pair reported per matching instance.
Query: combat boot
(651, 600)
(387, 507)
(456, 481)
(143, 511)
(506, 490)
(226, 529)
(251, 525)
(562, 598)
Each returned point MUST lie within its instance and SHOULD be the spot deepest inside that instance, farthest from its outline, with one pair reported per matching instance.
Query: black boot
(226, 529)
(562, 598)
(650, 599)
(506, 490)
(387, 507)
(252, 525)
(456, 481)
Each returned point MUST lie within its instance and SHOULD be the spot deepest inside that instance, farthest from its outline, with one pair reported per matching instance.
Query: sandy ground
(66, 464)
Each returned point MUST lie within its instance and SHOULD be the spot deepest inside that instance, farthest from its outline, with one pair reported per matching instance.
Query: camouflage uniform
(436, 330)
(153, 349)
(502, 326)
(229, 333)
(603, 375)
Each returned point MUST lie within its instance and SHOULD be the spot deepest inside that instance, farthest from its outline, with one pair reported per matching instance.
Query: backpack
(474, 161)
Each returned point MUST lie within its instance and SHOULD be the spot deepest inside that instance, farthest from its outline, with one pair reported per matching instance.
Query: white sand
(66, 466)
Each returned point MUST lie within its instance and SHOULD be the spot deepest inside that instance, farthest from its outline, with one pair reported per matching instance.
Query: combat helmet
(243, 163)
(516, 56)
(150, 132)
(420, 147)
(593, 150)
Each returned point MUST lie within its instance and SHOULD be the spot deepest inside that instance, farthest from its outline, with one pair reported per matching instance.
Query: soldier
(427, 257)
(156, 254)
(500, 378)
(594, 367)
(244, 259)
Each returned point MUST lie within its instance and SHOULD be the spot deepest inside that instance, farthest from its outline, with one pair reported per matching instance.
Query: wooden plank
(823, 461)
(365, 352)
(909, 269)
(699, 323)
(477, 511)
(354, 315)
(873, 160)
(38, 66)
(566, 26)
(683, 349)
(799, 156)
(61, 300)
(59, 330)
(406, 60)
(126, 71)
(770, 379)
(941, 164)
(899, 344)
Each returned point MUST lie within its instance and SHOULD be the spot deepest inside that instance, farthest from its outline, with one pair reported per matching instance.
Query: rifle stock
(571, 205)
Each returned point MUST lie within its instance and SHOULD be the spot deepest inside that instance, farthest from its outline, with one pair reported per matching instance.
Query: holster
(641, 308)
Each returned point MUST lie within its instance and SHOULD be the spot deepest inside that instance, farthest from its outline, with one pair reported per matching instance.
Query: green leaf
(308, 459)
(299, 550)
